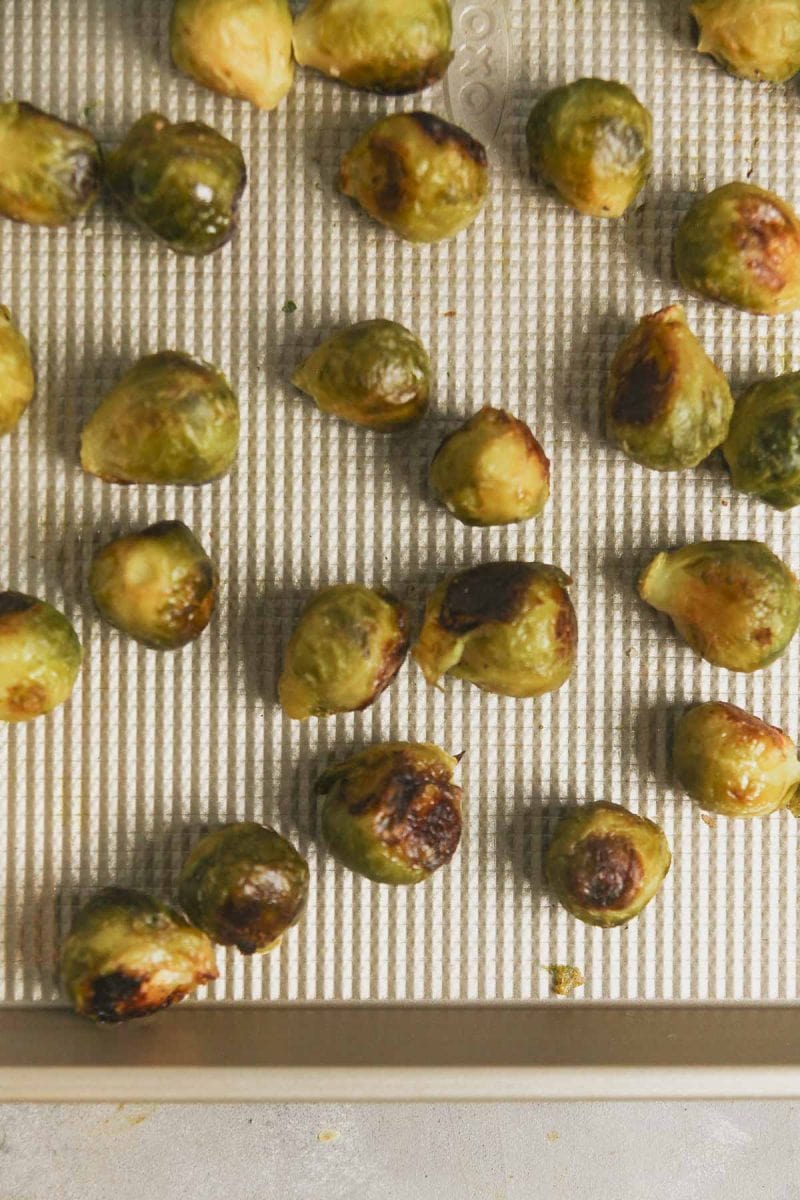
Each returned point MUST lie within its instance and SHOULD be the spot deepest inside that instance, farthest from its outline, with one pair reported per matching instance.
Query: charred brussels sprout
(181, 182)
(741, 245)
(667, 405)
(593, 142)
(763, 446)
(50, 170)
(491, 470)
(40, 657)
(605, 863)
(128, 955)
(735, 603)
(244, 885)
(169, 419)
(392, 812)
(379, 45)
(348, 645)
(754, 41)
(508, 627)
(375, 373)
(242, 48)
(16, 373)
(422, 177)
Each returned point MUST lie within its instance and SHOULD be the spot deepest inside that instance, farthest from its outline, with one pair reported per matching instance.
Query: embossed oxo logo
(477, 82)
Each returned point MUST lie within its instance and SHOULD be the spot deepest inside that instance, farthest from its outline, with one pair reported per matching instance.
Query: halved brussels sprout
(392, 813)
(375, 373)
(593, 142)
(759, 41)
(348, 645)
(507, 627)
(181, 182)
(169, 419)
(378, 45)
(40, 657)
(667, 405)
(763, 446)
(741, 245)
(242, 48)
(735, 603)
(605, 863)
(128, 955)
(491, 470)
(50, 171)
(158, 586)
(244, 885)
(419, 175)
(17, 380)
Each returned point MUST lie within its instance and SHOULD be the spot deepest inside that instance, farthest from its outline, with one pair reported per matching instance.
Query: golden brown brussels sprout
(244, 885)
(507, 627)
(348, 645)
(242, 48)
(605, 863)
(667, 405)
(759, 41)
(422, 177)
(392, 812)
(593, 142)
(763, 446)
(732, 763)
(128, 955)
(169, 419)
(40, 657)
(158, 586)
(50, 170)
(491, 470)
(735, 603)
(741, 245)
(379, 45)
(181, 182)
(16, 373)
(375, 373)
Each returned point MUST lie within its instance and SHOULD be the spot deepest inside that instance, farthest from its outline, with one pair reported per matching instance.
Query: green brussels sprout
(763, 445)
(392, 813)
(244, 885)
(732, 763)
(507, 627)
(419, 175)
(667, 404)
(17, 380)
(741, 245)
(40, 657)
(158, 586)
(169, 419)
(378, 45)
(128, 955)
(348, 645)
(375, 373)
(491, 470)
(605, 863)
(181, 182)
(593, 142)
(50, 169)
(759, 41)
(735, 603)
(241, 48)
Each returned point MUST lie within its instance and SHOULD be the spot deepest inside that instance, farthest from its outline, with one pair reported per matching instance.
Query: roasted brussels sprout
(763, 446)
(735, 603)
(605, 863)
(244, 885)
(392, 812)
(759, 41)
(667, 405)
(348, 645)
(741, 245)
(491, 470)
(50, 169)
(375, 373)
(379, 45)
(169, 419)
(16, 373)
(40, 657)
(128, 955)
(422, 177)
(593, 142)
(242, 48)
(181, 182)
(507, 627)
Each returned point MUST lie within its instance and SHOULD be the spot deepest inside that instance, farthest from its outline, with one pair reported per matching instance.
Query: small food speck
(709, 821)
(451, 312)
(552, 1135)
(564, 980)
(328, 1135)
(289, 307)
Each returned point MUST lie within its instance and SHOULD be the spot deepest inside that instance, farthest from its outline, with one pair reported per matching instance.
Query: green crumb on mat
(90, 109)
(565, 979)
(289, 307)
